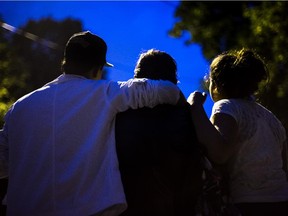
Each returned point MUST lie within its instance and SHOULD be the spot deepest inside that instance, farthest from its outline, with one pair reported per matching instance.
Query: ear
(215, 89)
(215, 92)
(95, 73)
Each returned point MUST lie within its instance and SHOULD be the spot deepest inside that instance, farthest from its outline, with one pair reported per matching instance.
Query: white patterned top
(256, 173)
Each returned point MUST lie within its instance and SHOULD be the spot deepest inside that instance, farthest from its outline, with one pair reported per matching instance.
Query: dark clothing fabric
(159, 161)
(3, 191)
(263, 209)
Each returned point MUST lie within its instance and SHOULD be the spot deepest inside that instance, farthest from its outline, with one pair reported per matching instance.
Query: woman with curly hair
(242, 135)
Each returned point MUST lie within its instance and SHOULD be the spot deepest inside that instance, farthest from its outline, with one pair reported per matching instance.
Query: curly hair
(237, 74)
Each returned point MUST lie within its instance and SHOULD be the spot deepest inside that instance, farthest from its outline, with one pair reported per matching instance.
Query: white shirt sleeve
(226, 106)
(138, 93)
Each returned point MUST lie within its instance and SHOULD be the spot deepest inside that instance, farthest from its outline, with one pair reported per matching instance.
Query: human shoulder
(225, 105)
(228, 102)
(233, 107)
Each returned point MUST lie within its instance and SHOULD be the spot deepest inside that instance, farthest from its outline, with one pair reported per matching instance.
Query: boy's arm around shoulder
(138, 93)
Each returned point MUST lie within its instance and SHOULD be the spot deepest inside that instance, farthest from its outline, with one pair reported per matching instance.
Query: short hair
(237, 74)
(156, 65)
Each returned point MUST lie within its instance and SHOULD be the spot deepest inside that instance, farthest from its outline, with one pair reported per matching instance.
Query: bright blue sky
(128, 27)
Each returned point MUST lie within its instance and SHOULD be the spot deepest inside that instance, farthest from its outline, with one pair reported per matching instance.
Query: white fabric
(61, 144)
(256, 170)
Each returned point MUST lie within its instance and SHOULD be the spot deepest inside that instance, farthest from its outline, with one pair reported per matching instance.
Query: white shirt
(61, 144)
(256, 172)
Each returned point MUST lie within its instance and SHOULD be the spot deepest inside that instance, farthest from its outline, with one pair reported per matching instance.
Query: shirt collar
(65, 78)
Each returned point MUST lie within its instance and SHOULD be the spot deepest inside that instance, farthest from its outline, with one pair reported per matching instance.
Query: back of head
(83, 52)
(156, 65)
(237, 74)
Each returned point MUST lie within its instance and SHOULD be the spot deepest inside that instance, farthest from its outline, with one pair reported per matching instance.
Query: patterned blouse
(256, 173)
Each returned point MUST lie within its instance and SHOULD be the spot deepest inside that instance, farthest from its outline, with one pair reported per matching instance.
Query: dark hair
(156, 65)
(84, 51)
(237, 74)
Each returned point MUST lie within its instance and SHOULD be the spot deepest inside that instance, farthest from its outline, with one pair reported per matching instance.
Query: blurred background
(33, 35)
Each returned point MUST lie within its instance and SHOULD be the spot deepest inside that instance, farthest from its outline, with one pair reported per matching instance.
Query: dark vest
(159, 161)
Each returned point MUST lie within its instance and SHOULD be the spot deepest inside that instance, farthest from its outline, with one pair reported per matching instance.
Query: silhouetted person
(157, 151)
(242, 135)
(58, 142)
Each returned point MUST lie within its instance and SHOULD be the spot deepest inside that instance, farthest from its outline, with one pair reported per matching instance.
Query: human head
(156, 65)
(84, 51)
(236, 74)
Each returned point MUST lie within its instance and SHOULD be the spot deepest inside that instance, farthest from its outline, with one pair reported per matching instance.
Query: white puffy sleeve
(138, 93)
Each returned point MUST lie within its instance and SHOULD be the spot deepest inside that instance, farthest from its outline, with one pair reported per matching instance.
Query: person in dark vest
(157, 149)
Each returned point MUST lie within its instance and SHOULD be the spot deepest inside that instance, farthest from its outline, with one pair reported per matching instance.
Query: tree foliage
(42, 52)
(31, 56)
(12, 81)
(259, 25)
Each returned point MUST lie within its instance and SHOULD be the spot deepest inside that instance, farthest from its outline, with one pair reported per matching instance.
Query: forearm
(138, 93)
(207, 134)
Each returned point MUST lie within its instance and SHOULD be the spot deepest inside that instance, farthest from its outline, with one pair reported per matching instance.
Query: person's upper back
(251, 117)
(157, 149)
(62, 145)
(159, 160)
(259, 147)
